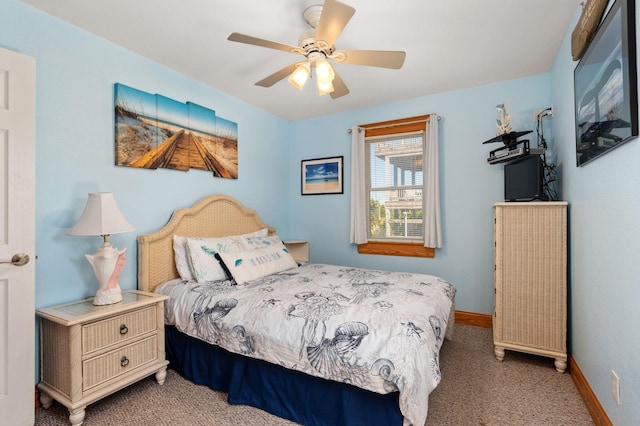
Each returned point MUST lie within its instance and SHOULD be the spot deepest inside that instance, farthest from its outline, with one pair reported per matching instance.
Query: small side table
(88, 352)
(299, 249)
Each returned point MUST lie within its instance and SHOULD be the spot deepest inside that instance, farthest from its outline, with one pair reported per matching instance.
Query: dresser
(530, 280)
(88, 352)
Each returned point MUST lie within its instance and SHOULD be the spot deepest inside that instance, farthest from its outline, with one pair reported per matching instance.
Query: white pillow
(252, 264)
(202, 256)
(182, 257)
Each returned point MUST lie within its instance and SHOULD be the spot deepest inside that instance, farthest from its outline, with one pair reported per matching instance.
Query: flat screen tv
(523, 179)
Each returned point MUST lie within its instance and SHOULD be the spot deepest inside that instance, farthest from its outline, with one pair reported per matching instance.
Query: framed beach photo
(322, 176)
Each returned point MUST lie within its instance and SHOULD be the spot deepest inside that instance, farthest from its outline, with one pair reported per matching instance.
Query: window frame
(394, 247)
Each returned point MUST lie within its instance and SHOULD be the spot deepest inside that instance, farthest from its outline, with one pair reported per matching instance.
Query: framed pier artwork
(153, 131)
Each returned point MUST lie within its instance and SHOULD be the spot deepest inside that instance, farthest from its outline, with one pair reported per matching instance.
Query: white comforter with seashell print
(377, 330)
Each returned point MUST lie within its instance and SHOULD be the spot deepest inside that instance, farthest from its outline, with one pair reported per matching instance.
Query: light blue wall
(605, 241)
(76, 72)
(470, 186)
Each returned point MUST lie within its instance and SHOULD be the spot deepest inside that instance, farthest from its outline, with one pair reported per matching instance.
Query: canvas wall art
(153, 131)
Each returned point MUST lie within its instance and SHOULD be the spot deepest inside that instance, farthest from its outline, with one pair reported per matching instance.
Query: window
(394, 185)
(394, 181)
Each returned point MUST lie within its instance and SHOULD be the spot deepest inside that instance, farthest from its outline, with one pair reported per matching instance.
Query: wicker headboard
(212, 216)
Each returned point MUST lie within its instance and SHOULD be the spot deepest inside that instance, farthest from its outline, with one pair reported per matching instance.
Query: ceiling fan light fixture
(300, 75)
(324, 87)
(317, 46)
(324, 71)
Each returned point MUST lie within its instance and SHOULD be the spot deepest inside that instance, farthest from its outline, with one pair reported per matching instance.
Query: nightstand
(88, 352)
(299, 250)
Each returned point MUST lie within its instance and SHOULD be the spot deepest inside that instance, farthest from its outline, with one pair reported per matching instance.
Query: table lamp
(102, 217)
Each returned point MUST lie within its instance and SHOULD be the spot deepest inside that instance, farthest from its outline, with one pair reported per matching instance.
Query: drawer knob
(124, 329)
(124, 361)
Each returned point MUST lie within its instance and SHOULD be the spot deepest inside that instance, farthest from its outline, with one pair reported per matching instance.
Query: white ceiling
(450, 44)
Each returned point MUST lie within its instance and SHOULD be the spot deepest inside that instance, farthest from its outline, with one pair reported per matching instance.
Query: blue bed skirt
(280, 391)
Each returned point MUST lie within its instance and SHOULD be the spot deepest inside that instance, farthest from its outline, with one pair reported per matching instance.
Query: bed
(313, 343)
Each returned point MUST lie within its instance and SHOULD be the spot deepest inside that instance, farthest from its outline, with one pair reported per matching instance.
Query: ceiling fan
(317, 45)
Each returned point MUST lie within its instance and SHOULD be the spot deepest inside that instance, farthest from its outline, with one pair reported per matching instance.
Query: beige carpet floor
(475, 390)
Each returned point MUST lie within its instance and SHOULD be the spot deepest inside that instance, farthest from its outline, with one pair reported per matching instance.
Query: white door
(17, 238)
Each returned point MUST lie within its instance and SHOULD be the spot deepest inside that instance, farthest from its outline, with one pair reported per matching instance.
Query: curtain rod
(408, 122)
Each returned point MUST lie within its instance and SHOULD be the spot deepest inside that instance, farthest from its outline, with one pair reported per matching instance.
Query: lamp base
(107, 264)
(108, 296)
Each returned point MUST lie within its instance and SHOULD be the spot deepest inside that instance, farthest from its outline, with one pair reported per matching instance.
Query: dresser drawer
(100, 369)
(102, 334)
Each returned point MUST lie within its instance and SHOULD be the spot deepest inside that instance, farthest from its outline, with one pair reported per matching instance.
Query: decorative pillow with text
(249, 265)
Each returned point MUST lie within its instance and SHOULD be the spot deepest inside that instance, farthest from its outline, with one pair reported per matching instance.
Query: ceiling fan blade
(247, 39)
(372, 58)
(277, 76)
(339, 88)
(334, 18)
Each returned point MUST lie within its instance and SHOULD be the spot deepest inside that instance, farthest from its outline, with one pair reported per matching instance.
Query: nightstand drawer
(112, 364)
(102, 334)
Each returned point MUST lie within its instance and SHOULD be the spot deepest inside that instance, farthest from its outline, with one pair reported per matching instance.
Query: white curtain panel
(358, 192)
(431, 176)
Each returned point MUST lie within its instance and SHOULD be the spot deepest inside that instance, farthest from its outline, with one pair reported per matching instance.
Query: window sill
(397, 249)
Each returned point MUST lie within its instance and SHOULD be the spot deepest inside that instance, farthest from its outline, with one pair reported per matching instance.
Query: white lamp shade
(324, 88)
(324, 71)
(101, 216)
(299, 77)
